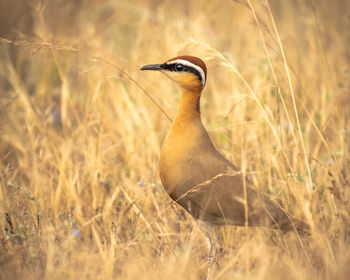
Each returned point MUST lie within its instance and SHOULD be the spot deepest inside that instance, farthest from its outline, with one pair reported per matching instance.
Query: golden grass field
(80, 140)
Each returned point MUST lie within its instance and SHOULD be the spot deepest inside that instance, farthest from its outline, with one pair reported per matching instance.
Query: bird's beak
(154, 67)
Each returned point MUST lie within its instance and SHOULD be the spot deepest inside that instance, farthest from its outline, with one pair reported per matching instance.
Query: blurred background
(80, 138)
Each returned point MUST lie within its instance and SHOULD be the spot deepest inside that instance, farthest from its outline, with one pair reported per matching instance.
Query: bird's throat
(187, 128)
(189, 106)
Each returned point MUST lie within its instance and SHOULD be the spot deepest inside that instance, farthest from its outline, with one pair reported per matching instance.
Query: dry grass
(80, 141)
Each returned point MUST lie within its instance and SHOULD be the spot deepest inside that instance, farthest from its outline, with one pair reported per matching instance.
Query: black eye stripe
(186, 68)
(169, 67)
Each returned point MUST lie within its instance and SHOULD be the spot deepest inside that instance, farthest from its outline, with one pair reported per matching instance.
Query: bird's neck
(189, 106)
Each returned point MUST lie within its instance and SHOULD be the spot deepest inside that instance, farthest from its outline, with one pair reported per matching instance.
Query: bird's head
(189, 72)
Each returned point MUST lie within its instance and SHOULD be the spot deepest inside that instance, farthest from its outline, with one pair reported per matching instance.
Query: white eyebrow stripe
(187, 63)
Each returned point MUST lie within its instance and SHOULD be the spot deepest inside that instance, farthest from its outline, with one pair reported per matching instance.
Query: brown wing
(219, 197)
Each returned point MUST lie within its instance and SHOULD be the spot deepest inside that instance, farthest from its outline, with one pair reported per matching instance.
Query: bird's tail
(282, 220)
(294, 224)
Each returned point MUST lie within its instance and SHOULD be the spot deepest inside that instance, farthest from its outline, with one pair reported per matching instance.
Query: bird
(198, 177)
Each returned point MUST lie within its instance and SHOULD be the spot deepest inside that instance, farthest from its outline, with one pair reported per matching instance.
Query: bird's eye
(179, 67)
